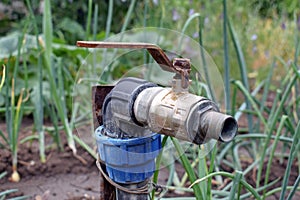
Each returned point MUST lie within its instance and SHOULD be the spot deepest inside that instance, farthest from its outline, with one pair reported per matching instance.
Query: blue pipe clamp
(130, 160)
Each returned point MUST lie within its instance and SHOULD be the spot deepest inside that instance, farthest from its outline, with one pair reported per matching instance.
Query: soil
(62, 176)
(65, 176)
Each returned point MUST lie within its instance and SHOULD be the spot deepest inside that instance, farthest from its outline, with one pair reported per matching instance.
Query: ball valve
(136, 111)
(139, 106)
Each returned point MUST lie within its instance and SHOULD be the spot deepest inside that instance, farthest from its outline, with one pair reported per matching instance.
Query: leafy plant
(13, 114)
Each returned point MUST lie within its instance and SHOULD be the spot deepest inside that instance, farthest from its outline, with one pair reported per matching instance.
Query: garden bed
(65, 176)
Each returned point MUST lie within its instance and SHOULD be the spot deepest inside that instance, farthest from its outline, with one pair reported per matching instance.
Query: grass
(46, 67)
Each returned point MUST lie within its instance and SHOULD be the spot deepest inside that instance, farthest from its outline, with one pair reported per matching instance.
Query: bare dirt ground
(64, 176)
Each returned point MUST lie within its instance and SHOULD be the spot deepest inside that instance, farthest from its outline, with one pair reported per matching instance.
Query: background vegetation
(255, 44)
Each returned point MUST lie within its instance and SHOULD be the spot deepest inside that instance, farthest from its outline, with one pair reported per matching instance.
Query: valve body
(135, 108)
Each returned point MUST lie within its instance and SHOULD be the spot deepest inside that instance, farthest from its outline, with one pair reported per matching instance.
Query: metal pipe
(122, 195)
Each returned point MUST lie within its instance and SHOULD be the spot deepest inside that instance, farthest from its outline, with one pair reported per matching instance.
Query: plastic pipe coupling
(128, 160)
(127, 148)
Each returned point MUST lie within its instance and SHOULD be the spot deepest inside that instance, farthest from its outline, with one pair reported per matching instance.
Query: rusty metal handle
(156, 52)
(180, 65)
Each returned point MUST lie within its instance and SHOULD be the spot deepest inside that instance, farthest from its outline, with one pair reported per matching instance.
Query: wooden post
(107, 191)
